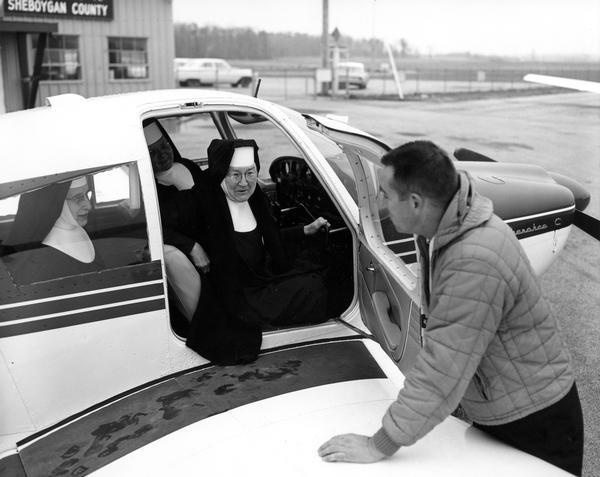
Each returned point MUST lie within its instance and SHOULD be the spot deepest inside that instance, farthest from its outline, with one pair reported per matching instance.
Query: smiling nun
(250, 272)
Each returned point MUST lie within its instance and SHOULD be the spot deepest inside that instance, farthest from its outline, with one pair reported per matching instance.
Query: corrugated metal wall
(151, 19)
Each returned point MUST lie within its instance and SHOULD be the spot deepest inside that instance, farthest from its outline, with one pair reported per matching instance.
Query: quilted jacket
(491, 342)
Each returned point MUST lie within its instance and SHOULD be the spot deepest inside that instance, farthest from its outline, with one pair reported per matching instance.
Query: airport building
(87, 47)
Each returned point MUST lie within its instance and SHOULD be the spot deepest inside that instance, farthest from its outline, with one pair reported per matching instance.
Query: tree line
(193, 41)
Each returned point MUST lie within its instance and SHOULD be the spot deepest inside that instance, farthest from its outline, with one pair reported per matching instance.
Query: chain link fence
(295, 83)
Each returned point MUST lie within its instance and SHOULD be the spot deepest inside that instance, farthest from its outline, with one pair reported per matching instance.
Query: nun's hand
(315, 226)
(200, 259)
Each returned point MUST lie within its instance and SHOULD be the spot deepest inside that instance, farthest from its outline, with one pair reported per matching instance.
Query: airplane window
(191, 134)
(112, 185)
(403, 245)
(368, 152)
(90, 223)
(272, 142)
(8, 207)
(337, 160)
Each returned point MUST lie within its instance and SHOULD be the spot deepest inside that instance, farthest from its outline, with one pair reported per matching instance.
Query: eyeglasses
(236, 175)
(81, 197)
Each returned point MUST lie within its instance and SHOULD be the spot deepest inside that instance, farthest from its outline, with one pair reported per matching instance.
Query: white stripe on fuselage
(544, 214)
(75, 295)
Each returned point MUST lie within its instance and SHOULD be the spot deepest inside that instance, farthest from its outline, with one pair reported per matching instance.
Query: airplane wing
(278, 437)
(265, 418)
(580, 85)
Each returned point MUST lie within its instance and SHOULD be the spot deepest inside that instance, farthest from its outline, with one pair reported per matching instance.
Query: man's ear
(416, 201)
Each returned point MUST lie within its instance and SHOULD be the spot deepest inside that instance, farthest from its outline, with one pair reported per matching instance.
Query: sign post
(394, 71)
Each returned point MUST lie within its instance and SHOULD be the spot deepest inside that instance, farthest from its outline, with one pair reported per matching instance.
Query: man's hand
(314, 227)
(350, 448)
(199, 258)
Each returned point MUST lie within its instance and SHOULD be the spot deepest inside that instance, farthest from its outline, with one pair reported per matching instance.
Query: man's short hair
(424, 168)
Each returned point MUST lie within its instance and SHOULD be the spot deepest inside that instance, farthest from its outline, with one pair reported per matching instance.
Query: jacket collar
(466, 210)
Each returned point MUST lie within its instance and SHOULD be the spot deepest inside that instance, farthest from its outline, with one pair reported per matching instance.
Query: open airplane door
(387, 270)
(388, 288)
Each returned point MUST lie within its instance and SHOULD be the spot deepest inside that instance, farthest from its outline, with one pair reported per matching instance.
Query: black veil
(36, 214)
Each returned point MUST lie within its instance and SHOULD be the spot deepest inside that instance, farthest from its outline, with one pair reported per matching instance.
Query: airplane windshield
(368, 153)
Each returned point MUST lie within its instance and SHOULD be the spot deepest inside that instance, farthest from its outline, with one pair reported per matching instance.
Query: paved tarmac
(560, 132)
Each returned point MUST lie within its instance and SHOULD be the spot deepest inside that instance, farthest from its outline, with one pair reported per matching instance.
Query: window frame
(119, 65)
(9, 190)
(51, 48)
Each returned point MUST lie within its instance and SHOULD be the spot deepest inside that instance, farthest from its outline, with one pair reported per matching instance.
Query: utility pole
(325, 42)
(335, 62)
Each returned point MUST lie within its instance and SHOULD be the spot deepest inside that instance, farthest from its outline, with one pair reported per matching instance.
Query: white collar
(70, 238)
(241, 215)
(178, 175)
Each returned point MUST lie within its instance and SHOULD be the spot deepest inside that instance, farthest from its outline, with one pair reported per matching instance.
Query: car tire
(195, 83)
(244, 82)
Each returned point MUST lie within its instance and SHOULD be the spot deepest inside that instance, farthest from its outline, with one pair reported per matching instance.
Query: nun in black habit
(48, 234)
(250, 277)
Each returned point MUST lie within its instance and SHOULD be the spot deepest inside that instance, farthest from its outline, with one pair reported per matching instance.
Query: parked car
(210, 71)
(95, 377)
(353, 73)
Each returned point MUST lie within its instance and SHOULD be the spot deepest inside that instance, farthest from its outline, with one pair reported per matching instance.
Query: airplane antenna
(257, 87)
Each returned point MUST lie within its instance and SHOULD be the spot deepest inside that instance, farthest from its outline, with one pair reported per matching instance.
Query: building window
(61, 58)
(127, 58)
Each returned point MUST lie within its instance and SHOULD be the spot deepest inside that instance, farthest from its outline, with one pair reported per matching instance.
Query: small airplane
(94, 371)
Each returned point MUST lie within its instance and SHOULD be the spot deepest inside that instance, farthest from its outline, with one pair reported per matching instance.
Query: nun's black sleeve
(182, 219)
(293, 234)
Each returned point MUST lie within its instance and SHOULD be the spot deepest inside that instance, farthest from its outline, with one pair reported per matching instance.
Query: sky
(498, 27)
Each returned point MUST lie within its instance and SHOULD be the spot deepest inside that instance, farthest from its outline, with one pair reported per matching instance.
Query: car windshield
(357, 70)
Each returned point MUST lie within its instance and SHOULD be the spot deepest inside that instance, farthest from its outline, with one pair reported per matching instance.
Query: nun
(48, 232)
(177, 183)
(249, 268)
